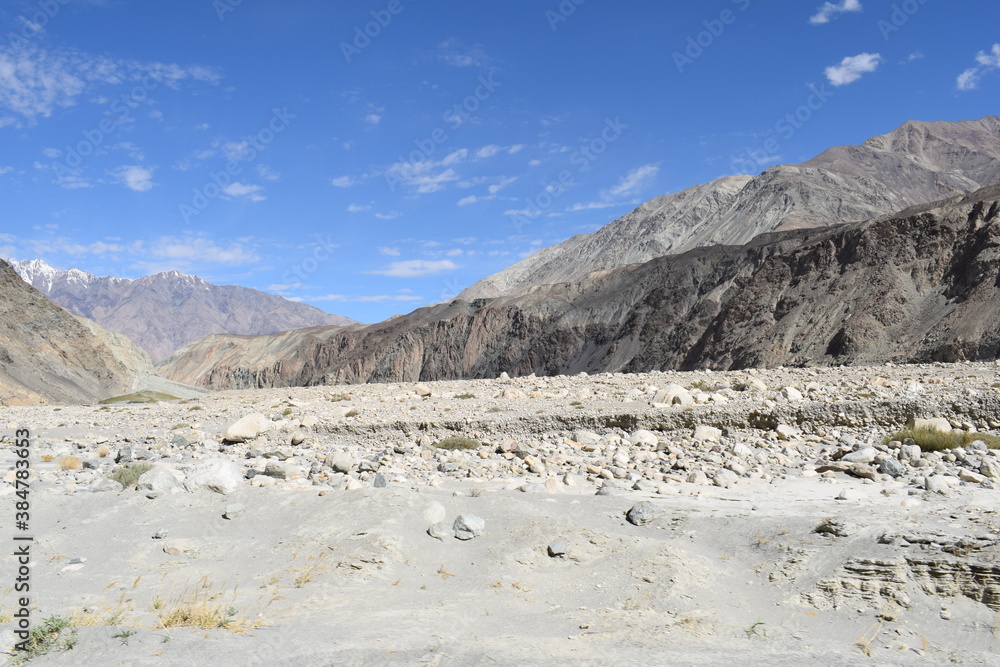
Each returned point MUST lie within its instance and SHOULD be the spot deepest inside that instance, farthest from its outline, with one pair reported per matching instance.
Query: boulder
(248, 428)
(219, 475)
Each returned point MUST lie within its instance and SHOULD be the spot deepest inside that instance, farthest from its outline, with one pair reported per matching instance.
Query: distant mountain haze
(169, 310)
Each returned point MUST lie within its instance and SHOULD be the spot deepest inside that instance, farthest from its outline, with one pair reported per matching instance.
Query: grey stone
(977, 446)
(642, 513)
(468, 526)
(340, 461)
(557, 548)
(219, 475)
(248, 428)
(441, 531)
(124, 455)
(379, 481)
(434, 513)
(891, 467)
(707, 433)
(159, 479)
(104, 484)
(160, 534)
(234, 511)
(937, 484)
(910, 453)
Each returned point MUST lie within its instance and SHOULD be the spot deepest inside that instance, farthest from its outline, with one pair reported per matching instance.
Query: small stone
(786, 432)
(697, 477)
(180, 548)
(725, 479)
(864, 455)
(557, 548)
(219, 475)
(422, 390)
(441, 531)
(379, 481)
(642, 513)
(969, 476)
(848, 494)
(234, 511)
(937, 484)
(936, 424)
(124, 455)
(340, 461)
(158, 479)
(643, 437)
(160, 534)
(468, 526)
(990, 469)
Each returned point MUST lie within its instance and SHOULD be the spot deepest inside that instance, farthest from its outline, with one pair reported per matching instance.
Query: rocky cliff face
(166, 311)
(916, 163)
(49, 356)
(917, 286)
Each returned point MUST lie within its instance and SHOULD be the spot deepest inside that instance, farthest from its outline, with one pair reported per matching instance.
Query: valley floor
(782, 526)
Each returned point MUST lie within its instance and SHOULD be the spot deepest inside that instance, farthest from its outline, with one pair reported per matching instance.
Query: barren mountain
(48, 355)
(165, 311)
(915, 164)
(917, 286)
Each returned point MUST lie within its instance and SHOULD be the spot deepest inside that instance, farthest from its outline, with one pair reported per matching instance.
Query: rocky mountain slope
(916, 286)
(168, 310)
(916, 163)
(48, 355)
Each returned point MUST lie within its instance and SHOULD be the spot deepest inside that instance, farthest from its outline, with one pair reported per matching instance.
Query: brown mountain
(915, 164)
(48, 355)
(917, 286)
(168, 310)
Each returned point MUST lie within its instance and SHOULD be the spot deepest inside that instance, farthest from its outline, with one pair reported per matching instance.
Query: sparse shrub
(70, 463)
(177, 427)
(704, 386)
(741, 386)
(458, 442)
(287, 412)
(53, 633)
(465, 395)
(352, 413)
(103, 451)
(575, 403)
(128, 475)
(336, 398)
(197, 407)
(932, 440)
(494, 409)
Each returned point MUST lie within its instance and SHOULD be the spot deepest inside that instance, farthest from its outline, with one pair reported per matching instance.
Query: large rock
(642, 513)
(248, 428)
(707, 433)
(935, 424)
(467, 526)
(160, 479)
(219, 475)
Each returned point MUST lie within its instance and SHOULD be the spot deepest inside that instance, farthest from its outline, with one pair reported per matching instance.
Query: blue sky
(372, 157)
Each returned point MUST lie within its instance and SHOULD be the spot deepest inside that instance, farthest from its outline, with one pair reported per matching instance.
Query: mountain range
(166, 311)
(917, 163)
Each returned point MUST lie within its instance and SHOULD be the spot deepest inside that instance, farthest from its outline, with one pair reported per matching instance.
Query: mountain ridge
(916, 163)
(165, 311)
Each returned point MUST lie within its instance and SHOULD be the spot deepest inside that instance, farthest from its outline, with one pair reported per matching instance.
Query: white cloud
(373, 119)
(237, 151)
(516, 148)
(267, 173)
(487, 151)
(466, 201)
(199, 248)
(627, 187)
(6, 170)
(135, 178)
(986, 61)
(237, 189)
(414, 268)
(357, 208)
(428, 176)
(35, 81)
(391, 215)
(344, 182)
(389, 252)
(829, 10)
(851, 68)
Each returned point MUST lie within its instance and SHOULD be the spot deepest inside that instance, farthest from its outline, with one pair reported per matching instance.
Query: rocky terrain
(916, 286)
(168, 310)
(915, 164)
(767, 516)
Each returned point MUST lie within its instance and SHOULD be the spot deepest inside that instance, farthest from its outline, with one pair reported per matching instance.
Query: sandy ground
(307, 572)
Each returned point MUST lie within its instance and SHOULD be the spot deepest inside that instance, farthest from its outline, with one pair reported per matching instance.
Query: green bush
(933, 440)
(129, 475)
(53, 633)
(458, 442)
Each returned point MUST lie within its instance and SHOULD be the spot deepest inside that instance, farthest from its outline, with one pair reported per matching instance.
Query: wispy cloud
(628, 187)
(378, 298)
(192, 248)
(985, 61)
(344, 182)
(830, 10)
(237, 190)
(389, 252)
(851, 68)
(415, 268)
(35, 81)
(135, 178)
(427, 176)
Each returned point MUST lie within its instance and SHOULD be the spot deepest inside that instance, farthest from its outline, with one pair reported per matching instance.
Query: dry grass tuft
(70, 463)
(458, 442)
(932, 440)
(103, 451)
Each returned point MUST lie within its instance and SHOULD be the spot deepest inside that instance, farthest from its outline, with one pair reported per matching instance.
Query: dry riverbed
(662, 518)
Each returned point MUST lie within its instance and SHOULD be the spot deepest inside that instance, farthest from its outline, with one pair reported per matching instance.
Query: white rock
(786, 432)
(160, 478)
(936, 423)
(219, 475)
(791, 394)
(468, 526)
(643, 437)
(707, 433)
(435, 513)
(725, 479)
(937, 484)
(865, 455)
(248, 428)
